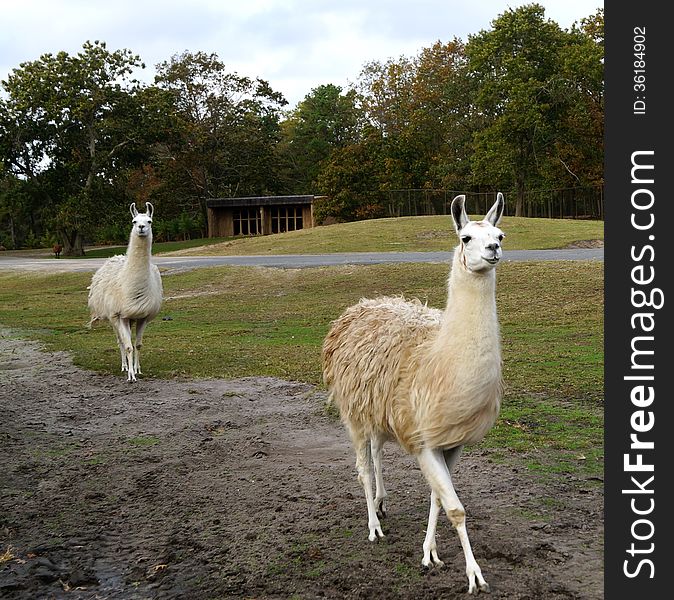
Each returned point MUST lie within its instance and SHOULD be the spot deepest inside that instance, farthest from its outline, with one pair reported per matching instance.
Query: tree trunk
(72, 243)
(12, 232)
(519, 202)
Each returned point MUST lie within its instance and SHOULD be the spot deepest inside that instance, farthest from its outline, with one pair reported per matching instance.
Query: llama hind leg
(376, 446)
(436, 472)
(364, 467)
(140, 328)
(430, 547)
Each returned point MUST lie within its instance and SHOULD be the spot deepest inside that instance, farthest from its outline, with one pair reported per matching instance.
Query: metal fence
(561, 203)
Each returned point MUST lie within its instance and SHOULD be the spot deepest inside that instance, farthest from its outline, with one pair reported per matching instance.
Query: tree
(517, 69)
(351, 181)
(16, 212)
(580, 152)
(229, 126)
(420, 107)
(386, 98)
(441, 125)
(65, 128)
(326, 120)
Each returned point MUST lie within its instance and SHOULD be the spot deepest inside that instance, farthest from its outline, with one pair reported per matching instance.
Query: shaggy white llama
(426, 378)
(127, 290)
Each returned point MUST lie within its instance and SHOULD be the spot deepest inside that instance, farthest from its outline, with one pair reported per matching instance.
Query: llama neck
(138, 253)
(470, 324)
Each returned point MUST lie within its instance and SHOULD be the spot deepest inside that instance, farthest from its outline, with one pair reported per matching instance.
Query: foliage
(536, 83)
(350, 183)
(518, 106)
(228, 128)
(326, 120)
(67, 126)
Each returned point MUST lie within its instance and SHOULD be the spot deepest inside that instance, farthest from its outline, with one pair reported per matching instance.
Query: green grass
(157, 247)
(238, 321)
(418, 234)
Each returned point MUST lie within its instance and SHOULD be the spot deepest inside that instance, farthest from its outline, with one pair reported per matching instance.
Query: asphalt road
(289, 261)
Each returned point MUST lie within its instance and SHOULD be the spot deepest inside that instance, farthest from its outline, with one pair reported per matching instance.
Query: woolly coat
(127, 286)
(421, 376)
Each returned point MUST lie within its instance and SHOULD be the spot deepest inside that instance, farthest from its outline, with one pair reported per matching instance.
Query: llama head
(142, 222)
(480, 248)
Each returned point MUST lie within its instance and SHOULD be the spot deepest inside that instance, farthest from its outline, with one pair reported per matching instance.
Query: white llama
(426, 378)
(127, 290)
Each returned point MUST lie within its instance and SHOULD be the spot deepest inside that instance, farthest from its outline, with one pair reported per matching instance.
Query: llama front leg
(122, 352)
(376, 446)
(124, 328)
(430, 547)
(363, 465)
(436, 472)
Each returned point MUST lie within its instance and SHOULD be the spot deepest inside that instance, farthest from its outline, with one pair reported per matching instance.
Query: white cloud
(296, 45)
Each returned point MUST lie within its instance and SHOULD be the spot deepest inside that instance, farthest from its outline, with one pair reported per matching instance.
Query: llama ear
(496, 212)
(133, 210)
(149, 209)
(459, 212)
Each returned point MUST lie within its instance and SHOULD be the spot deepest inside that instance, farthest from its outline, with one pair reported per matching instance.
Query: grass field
(232, 322)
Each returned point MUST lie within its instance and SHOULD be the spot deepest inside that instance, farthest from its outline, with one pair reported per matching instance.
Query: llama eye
(465, 239)
(500, 237)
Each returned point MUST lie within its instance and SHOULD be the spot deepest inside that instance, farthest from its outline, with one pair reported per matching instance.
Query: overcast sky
(296, 45)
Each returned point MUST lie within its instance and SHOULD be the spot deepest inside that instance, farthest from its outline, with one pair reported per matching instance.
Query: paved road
(290, 261)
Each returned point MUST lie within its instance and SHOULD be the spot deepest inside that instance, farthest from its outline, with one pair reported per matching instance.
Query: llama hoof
(430, 563)
(381, 509)
(482, 586)
(375, 534)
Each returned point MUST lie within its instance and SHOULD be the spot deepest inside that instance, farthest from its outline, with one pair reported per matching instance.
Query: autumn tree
(441, 122)
(579, 152)
(386, 99)
(417, 132)
(526, 68)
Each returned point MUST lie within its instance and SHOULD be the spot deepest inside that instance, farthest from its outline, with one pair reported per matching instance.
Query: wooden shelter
(259, 215)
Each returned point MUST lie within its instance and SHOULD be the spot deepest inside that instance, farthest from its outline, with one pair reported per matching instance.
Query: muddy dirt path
(246, 489)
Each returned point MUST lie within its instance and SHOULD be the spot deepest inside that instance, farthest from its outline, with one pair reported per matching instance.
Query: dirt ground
(246, 489)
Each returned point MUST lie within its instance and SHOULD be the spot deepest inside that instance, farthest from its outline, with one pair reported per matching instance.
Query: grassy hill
(420, 234)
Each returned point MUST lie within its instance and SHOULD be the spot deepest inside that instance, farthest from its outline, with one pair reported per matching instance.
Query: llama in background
(127, 290)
